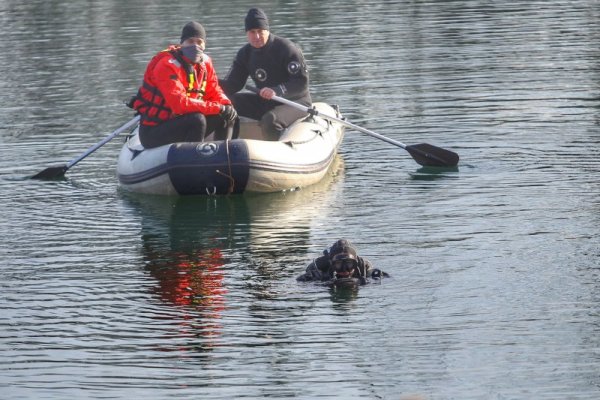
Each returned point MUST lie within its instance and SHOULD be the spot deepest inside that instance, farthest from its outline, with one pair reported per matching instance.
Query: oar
(425, 154)
(59, 171)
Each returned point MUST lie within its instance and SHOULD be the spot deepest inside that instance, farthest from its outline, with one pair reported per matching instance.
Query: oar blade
(51, 173)
(429, 155)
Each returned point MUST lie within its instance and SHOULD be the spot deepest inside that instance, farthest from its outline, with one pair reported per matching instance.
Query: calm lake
(495, 288)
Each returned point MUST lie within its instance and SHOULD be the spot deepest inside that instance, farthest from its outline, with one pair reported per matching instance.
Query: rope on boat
(230, 177)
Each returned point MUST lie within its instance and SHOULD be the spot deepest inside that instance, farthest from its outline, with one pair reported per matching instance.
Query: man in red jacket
(180, 99)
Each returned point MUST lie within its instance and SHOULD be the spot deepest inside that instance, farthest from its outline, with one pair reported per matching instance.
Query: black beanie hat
(193, 29)
(256, 19)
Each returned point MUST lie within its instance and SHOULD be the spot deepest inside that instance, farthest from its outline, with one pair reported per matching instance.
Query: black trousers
(192, 127)
(273, 116)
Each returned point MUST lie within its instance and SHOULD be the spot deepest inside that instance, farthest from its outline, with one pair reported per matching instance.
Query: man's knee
(194, 127)
(196, 119)
(271, 126)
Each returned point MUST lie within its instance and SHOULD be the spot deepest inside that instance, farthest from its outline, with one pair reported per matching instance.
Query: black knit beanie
(256, 19)
(193, 29)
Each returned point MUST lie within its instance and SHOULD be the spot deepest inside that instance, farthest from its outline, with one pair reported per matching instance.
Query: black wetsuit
(320, 270)
(278, 65)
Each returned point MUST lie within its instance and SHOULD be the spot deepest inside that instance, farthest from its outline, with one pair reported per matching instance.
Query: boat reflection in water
(275, 245)
(186, 261)
(200, 248)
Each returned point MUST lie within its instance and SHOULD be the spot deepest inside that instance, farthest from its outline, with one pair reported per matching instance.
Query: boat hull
(300, 158)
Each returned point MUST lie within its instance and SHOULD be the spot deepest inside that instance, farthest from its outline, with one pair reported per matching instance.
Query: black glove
(228, 113)
(378, 274)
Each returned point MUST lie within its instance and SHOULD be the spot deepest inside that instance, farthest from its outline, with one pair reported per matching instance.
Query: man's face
(257, 37)
(194, 41)
(344, 267)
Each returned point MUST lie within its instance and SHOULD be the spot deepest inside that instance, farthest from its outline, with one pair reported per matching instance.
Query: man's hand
(228, 113)
(266, 93)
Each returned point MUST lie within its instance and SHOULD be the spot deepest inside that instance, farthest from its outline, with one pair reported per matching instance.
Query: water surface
(495, 282)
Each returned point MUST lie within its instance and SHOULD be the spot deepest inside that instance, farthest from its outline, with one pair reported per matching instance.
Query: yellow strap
(191, 79)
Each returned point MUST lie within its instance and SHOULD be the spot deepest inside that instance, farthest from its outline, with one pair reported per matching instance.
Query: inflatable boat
(301, 157)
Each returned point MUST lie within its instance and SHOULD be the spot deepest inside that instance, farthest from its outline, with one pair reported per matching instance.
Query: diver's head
(343, 259)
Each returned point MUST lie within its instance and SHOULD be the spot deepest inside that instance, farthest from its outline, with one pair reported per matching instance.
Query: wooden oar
(425, 154)
(59, 171)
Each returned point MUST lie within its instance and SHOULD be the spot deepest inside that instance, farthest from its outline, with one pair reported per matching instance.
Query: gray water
(495, 286)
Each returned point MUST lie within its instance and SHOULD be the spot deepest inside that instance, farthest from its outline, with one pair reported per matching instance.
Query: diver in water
(341, 266)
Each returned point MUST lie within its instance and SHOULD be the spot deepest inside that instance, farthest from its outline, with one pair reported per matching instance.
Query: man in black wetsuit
(340, 265)
(277, 67)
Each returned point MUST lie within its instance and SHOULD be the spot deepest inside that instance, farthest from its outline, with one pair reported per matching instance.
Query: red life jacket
(150, 102)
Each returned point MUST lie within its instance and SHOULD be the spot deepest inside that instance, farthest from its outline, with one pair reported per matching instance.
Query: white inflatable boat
(300, 158)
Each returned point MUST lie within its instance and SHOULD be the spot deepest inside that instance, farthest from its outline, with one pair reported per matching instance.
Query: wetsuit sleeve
(236, 77)
(372, 272)
(312, 273)
(167, 80)
(296, 70)
(318, 270)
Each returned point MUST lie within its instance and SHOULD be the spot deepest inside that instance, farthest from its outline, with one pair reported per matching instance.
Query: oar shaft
(424, 154)
(341, 121)
(107, 139)
(59, 171)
